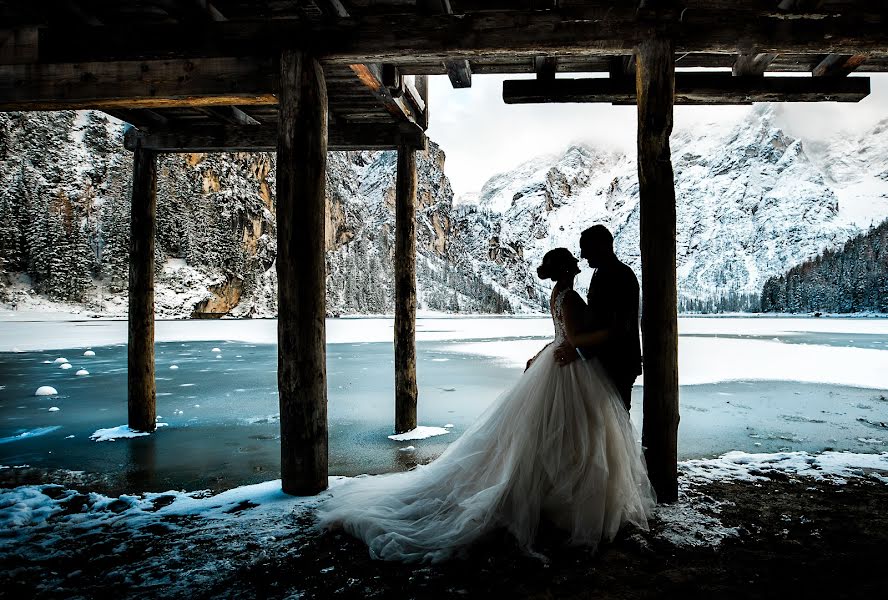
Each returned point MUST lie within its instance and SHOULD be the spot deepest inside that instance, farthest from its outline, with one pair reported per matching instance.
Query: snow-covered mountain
(752, 201)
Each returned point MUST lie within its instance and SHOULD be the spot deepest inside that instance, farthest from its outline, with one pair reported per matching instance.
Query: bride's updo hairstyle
(557, 263)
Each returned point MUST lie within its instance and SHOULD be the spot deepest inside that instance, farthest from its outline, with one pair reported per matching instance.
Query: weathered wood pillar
(405, 291)
(655, 86)
(141, 391)
(302, 371)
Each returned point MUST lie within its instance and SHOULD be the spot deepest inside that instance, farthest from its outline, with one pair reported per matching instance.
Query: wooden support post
(302, 371)
(655, 83)
(405, 291)
(141, 392)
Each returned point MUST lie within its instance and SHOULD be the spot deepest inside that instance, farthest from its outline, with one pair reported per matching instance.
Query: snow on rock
(82, 372)
(742, 466)
(89, 353)
(53, 408)
(420, 433)
(120, 432)
(60, 360)
(46, 390)
(65, 366)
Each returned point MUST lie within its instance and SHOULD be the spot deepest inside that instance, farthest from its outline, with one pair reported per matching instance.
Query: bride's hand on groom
(565, 354)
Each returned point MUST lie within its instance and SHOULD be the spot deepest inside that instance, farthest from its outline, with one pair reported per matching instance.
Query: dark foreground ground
(798, 538)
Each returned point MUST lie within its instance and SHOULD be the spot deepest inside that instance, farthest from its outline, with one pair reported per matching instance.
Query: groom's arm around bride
(610, 330)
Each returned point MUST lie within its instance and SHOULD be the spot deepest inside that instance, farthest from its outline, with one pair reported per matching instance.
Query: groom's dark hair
(599, 234)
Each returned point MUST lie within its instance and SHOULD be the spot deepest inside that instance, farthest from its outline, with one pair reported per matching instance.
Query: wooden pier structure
(304, 77)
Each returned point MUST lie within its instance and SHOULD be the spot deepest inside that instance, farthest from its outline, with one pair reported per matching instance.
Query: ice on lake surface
(752, 384)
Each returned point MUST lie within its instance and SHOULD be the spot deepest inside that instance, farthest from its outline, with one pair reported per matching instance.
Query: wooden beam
(264, 138)
(598, 28)
(302, 371)
(405, 292)
(655, 81)
(399, 108)
(838, 65)
(691, 88)
(752, 65)
(138, 84)
(459, 72)
(141, 392)
(229, 114)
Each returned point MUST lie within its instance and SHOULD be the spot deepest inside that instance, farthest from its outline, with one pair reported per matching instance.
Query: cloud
(482, 136)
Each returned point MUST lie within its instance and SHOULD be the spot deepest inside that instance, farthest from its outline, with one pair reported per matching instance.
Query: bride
(559, 444)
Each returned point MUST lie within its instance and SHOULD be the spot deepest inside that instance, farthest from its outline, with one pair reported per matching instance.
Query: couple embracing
(556, 449)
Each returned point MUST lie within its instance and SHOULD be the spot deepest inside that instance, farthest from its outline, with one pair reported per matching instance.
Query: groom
(611, 321)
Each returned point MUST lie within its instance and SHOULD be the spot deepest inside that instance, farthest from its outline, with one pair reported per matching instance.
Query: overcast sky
(482, 136)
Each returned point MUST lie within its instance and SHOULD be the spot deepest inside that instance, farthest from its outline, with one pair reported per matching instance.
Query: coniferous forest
(851, 279)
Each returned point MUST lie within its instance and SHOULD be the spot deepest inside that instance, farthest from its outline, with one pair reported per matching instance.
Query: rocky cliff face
(64, 193)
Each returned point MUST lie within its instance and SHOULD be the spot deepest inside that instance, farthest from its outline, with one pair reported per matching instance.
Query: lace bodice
(558, 317)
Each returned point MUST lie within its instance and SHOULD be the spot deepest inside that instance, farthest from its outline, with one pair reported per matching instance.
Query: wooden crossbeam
(229, 114)
(400, 108)
(691, 88)
(838, 65)
(459, 72)
(264, 138)
(138, 84)
(422, 38)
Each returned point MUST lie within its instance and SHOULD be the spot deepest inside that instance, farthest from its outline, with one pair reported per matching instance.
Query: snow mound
(420, 433)
(215, 350)
(65, 366)
(46, 390)
(89, 353)
(53, 408)
(82, 372)
(174, 367)
(407, 449)
(120, 432)
(60, 360)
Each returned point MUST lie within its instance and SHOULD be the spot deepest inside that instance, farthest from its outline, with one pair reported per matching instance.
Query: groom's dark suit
(613, 305)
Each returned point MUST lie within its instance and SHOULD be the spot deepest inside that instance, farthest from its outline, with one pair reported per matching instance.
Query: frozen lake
(748, 383)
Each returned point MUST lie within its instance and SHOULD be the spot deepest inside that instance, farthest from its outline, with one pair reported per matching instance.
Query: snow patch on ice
(420, 433)
(65, 366)
(120, 432)
(60, 360)
(89, 353)
(46, 390)
(53, 409)
(82, 372)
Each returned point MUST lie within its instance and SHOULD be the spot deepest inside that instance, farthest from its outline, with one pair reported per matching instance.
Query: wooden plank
(545, 67)
(752, 65)
(838, 65)
(600, 28)
(459, 72)
(264, 138)
(655, 81)
(141, 392)
(406, 392)
(691, 88)
(302, 370)
(138, 84)
(18, 46)
(144, 119)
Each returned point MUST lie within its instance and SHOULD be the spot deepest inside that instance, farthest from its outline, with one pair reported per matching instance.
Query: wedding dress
(558, 444)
